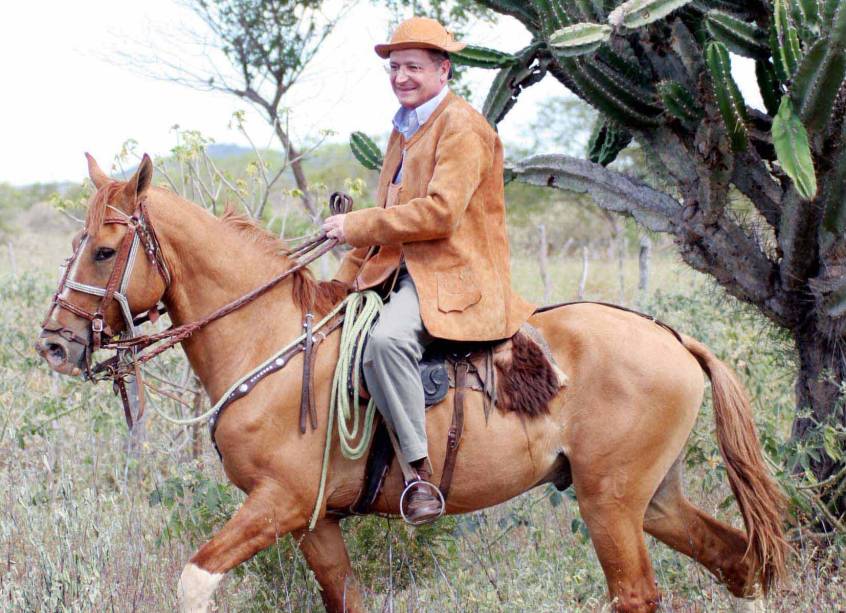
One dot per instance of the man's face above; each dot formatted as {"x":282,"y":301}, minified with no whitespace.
{"x":415,"y":77}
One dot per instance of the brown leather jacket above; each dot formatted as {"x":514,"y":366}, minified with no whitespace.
{"x":450,"y":223}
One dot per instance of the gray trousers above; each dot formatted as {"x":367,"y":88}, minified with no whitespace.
{"x":390,"y":360}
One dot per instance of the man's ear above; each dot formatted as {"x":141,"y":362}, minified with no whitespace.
{"x":98,"y":177}
{"x":140,"y":181}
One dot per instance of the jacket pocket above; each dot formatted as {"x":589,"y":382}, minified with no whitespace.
{"x":457,"y":289}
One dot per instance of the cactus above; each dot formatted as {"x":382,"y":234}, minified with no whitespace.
{"x":606,"y":141}
{"x":579,"y":38}
{"x":552,"y":16}
{"x":679,"y":102}
{"x":833,"y":226}
{"x":482,"y":57}
{"x":626,"y":67}
{"x":794,"y":153}
{"x":637,"y":13}
{"x":784,"y":42}
{"x":768,"y":85}
{"x":597,"y":94}
{"x":365,"y":151}
{"x":741,"y":37}
{"x":817,"y":81}
{"x":837,"y":33}
{"x":729,"y":99}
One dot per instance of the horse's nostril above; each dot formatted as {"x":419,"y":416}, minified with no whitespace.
{"x":57,"y":352}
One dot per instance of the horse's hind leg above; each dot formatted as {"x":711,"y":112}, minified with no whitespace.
{"x":254,"y":527}
{"x":326,"y":553}
{"x":672,"y":519}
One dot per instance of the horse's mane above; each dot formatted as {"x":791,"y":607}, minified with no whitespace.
{"x":309,"y":294}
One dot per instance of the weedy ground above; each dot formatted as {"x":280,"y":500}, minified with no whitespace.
{"x":91,"y":522}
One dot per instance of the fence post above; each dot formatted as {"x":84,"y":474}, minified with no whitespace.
{"x":643,"y":263}
{"x":583,"y":279}
{"x":543,"y":260}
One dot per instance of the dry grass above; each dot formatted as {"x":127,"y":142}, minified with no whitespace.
{"x":78,"y":531}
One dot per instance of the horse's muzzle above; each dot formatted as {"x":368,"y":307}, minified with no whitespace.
{"x":64,"y":356}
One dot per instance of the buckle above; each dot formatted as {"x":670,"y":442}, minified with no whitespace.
{"x":97,"y":325}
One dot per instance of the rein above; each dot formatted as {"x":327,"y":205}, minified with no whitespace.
{"x":128,"y":357}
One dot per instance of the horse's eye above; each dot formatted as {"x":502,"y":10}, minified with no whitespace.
{"x":103,"y":253}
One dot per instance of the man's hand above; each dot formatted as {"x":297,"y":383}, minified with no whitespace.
{"x":334,"y":228}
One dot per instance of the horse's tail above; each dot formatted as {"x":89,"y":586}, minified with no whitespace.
{"x":761,"y":502}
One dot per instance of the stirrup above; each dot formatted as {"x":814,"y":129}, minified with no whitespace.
{"x":418,"y":482}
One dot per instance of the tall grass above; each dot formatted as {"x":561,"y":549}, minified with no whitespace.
{"x":88,"y":524}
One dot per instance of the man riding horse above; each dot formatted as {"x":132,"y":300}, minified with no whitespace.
{"x":436,"y":243}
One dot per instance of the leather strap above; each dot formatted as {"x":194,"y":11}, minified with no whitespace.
{"x":306,"y":393}
{"x":456,"y":428}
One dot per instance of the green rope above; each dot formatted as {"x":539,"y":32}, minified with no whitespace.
{"x":361,"y":310}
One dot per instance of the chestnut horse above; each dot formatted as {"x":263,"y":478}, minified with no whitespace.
{"x":616,"y":432}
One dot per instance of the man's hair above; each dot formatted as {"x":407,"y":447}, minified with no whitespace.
{"x":436,"y":55}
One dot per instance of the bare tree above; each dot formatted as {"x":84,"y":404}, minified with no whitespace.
{"x":264,"y":45}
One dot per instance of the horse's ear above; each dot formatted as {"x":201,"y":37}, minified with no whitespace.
{"x":98,"y":177}
{"x":140,"y":181}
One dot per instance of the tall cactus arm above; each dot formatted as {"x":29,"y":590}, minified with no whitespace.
{"x":638,"y":13}
{"x":784,"y":42}
{"x":519,"y":9}
{"x":729,"y":99}
{"x":768,"y":85}
{"x":579,"y":38}
{"x":482,"y":57}
{"x":816,"y":83}
{"x":742,"y":37}
{"x":790,"y":140}
{"x":365,"y":151}
{"x":832,"y":233}
{"x":510,"y":81}
{"x":607,"y":141}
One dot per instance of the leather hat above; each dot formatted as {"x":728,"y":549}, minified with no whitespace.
{"x":420,"y":33}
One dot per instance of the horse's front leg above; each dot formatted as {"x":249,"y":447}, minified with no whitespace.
{"x":260,"y":521}
{"x":326,"y":553}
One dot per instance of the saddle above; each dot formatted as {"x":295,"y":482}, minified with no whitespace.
{"x":516,"y":374}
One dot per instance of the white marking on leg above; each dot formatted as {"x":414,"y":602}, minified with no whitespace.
{"x":744,"y":605}
{"x":196,"y":587}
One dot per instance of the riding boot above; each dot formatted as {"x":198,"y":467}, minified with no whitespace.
{"x":423,"y":506}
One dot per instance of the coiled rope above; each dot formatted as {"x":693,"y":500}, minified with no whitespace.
{"x":362,"y":310}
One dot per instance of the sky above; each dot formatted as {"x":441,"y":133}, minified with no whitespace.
{"x":71,"y":84}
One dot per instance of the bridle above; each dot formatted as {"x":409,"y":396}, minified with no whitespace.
{"x":139,"y":234}
{"x":130,"y":346}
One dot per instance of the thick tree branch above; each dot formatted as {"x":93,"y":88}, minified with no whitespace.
{"x":611,"y":190}
{"x":752,"y":177}
{"x":798,"y":240}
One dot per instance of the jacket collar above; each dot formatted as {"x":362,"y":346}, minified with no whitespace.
{"x":445,"y":102}
{"x":410,"y":120}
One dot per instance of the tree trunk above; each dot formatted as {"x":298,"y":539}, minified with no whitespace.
{"x":293,"y":157}
{"x":819,"y":390}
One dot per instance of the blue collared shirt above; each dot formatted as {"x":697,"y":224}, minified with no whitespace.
{"x":408,"y":121}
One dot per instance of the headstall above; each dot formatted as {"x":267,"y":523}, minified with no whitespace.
{"x":130,"y":344}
